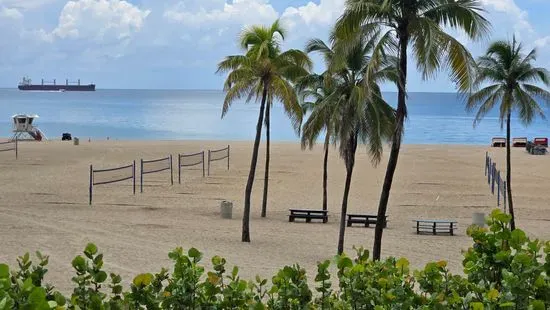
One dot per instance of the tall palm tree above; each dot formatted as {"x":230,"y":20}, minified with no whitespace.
{"x":355,"y":109}
{"x":315,"y":90}
{"x":266,"y":43}
{"x":510,"y":74}
{"x":419,"y":24}
{"x":264,"y":73}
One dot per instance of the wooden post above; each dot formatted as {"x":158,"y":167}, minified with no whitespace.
{"x":208,"y":163}
{"x":228,"y":157}
{"x":504,"y":196}
{"x":171,"y":172}
{"x":141,"y":178}
{"x":179,"y":168}
{"x":498,"y":189}
{"x":489,"y":172}
{"x":494,"y":170}
{"x":134,"y":175}
{"x":486,"y":162}
{"x":91,"y":183}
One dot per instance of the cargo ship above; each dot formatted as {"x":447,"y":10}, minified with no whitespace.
{"x":26,"y":84}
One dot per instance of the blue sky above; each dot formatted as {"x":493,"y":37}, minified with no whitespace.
{"x":175,"y":44}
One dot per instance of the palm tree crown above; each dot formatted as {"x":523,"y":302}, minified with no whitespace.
{"x":511,"y":77}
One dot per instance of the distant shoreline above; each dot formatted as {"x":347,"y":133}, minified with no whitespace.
{"x":218,"y":141}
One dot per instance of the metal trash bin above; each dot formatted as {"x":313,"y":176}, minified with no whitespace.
{"x":226,"y":209}
{"x":76,"y":141}
{"x":478,"y":219}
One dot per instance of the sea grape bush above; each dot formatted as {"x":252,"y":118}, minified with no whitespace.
{"x":503,"y":270}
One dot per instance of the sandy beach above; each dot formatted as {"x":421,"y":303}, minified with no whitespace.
{"x":44,"y":204}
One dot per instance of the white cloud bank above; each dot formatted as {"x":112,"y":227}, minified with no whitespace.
{"x":109,"y":36}
{"x":99,"y":19}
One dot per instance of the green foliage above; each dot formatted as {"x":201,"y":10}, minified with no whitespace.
{"x":503,"y":270}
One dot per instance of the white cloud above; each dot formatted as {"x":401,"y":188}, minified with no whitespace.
{"x":509,"y":7}
{"x":11,"y":13}
{"x":325,"y":13}
{"x":542,"y":42}
{"x":99,"y":20}
{"x":208,"y":12}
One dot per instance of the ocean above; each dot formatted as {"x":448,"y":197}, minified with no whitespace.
{"x":434,"y":118}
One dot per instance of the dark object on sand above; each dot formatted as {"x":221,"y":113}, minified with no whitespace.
{"x":66,"y":136}
{"x":535,"y":149}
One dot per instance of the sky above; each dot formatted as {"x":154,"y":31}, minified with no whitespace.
{"x":176,"y":44}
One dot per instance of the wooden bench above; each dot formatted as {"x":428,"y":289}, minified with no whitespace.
{"x":435,"y":226}
{"x":308,"y":215}
{"x":365,"y":219}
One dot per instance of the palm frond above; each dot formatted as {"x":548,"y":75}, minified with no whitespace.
{"x":232,"y":63}
{"x":237,"y":91}
{"x":461,"y":14}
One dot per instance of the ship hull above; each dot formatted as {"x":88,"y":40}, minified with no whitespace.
{"x":90,"y":87}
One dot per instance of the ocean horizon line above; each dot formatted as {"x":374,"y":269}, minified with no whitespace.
{"x":209,"y":89}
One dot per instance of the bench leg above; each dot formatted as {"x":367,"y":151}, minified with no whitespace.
{"x":325,"y":219}
{"x":452,"y":229}
{"x":291,"y":218}
{"x":349,"y":223}
{"x":434,"y":229}
{"x":367,"y":224}
{"x":417,"y":228}
{"x":308,"y":219}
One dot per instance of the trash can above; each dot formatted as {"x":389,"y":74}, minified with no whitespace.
{"x":478,"y":219}
{"x":76,"y":141}
{"x":227,"y":209}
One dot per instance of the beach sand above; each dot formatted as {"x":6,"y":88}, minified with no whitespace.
{"x":44,"y":204}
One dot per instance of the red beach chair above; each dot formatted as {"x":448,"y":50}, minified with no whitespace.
{"x":519,"y":142}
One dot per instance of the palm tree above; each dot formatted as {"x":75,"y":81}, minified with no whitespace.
{"x":315,"y":90}
{"x":510,"y":75}
{"x":418,"y":23}
{"x":354,"y":110}
{"x":262,"y":72}
{"x":266,"y":43}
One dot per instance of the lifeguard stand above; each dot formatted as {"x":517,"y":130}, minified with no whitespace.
{"x":24,"y":129}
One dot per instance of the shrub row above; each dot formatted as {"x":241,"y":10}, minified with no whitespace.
{"x":503,"y":270}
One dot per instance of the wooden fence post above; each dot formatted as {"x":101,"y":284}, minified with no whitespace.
{"x":91,"y":182}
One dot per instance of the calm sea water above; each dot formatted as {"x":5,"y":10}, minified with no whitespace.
{"x":434,"y":118}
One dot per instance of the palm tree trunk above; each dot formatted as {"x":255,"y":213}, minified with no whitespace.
{"x":248,"y":191}
{"x":396,"y":143}
{"x":350,"y":162}
{"x":509,"y":174}
{"x":266,"y":177}
{"x":325,"y":173}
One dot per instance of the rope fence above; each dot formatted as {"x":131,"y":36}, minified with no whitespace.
{"x":154,"y":166}
{"x":189,"y":160}
{"x":9,"y":146}
{"x":494,"y":180}
{"x":118,"y":174}
{"x":215,"y":155}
